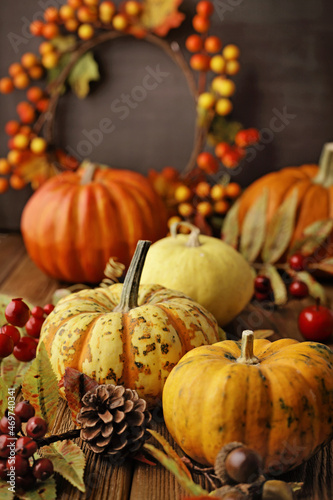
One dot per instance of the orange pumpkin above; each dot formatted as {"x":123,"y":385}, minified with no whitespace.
{"x":314,"y":188}
{"x":76,"y":221}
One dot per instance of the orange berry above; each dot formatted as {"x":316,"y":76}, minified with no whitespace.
{"x":226,"y":87}
{"x":86,"y":31}
{"x":20,"y":141}
{"x":51,"y":15}
{"x":217,"y":192}
{"x":205,"y":208}
{"x":21,"y":81}
{"x":91,"y":3}
{"x":15,"y":69}
{"x":205,"y":8}
{"x":213,"y":44}
{"x":194,"y":43}
{"x":34,"y":94}
{"x":36,"y":28}
{"x":66,"y":12}
{"x":75,"y":3}
{"x":6,"y":85}
{"x":232,"y":67}
{"x":200,"y":24}
{"x":26,"y":112}
{"x":231,"y":52}
{"x":4,"y":166}
{"x":87,"y":14}
{"x":232,"y":158}
{"x":50,"y":60}
{"x":50,"y":30}
{"x":185,"y":209}
{"x":4,"y":185}
{"x":170,"y":173}
{"x":217,"y":64}
{"x":38,"y":145}
{"x":173,"y":220}
{"x":106,"y":12}
{"x":183,"y":193}
{"x":132,"y":8}
{"x":46,"y":47}
{"x":25,"y":130}
{"x":233,"y":190}
{"x":120,"y":22}
{"x":14,"y":157}
{"x":206,"y":100}
{"x":207,"y":162}
{"x":28,"y":60}
{"x":12,"y":127}
{"x":36,"y":72}
{"x":16,"y":182}
{"x":223,"y":106}
{"x":203,"y":189}
{"x":221,"y":207}
{"x":72,"y":25}
{"x":200,"y":62}
{"x":221,"y":149}
{"x":42,"y":105}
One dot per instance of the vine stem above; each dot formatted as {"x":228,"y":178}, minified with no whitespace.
{"x":47,"y":118}
{"x":45,"y":441}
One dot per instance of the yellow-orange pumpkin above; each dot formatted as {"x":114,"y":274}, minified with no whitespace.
{"x":315,"y":192}
{"x":275,"y":397}
{"x":76,"y":221}
{"x":126,"y":334}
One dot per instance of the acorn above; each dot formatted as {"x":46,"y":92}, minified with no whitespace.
{"x":237,"y":463}
{"x":276,"y":490}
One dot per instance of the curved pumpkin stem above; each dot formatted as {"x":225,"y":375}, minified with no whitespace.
{"x":325,"y":174}
{"x":89,"y":172}
{"x":129,"y":295}
{"x":193,"y":239}
{"x":247,"y":357}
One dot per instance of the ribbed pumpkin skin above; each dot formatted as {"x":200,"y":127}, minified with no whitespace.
{"x":282,"y":407}
{"x":71,"y":230}
{"x":138,"y":348}
{"x":315,"y":202}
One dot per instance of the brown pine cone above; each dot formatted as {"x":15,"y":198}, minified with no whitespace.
{"x":114,"y":421}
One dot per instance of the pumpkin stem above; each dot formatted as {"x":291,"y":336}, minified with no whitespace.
{"x":247,"y":357}
{"x":325,"y":174}
{"x":89,"y":173}
{"x":129,"y":294}
{"x":193,"y":239}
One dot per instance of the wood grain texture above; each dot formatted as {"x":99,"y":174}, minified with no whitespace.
{"x":134,"y":480}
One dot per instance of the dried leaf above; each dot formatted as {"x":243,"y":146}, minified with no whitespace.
{"x":85,"y":71}
{"x":325,"y":265}
{"x":76,"y":384}
{"x":170,"y":452}
{"x":278,"y":285}
{"x":160,"y":16}
{"x":172,"y":466}
{"x":68,"y":460}
{"x":280,"y":229}
{"x":223,"y":130}
{"x":263,"y":334}
{"x":13,"y":371}
{"x":230,"y":228}
{"x":315,"y":288}
{"x":40,"y":387}
{"x":140,"y":457}
{"x":36,"y":170}
{"x":43,"y":491}
{"x":314,"y":236}
{"x":3,"y":396}
{"x":5,"y":493}
{"x":201,"y":222}
{"x":254,"y":228}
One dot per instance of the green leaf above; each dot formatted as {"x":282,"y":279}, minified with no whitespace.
{"x":315,"y":288}
{"x":280,"y":229}
{"x":68,"y":460}
{"x":85,"y":71}
{"x":278,"y":285}
{"x":13,"y":371}
{"x":40,"y":387}
{"x":230,"y":228}
{"x":5,"y":493}
{"x":254,"y":228}
{"x":222,"y":130}
{"x":171,"y":465}
{"x":43,"y":491}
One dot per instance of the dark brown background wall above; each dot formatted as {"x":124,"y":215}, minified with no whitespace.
{"x":287,"y":69}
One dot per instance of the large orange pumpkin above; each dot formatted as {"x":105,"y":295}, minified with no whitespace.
{"x":76,"y":221}
{"x":314,"y":188}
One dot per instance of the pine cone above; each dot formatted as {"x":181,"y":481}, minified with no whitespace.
{"x":114,"y":421}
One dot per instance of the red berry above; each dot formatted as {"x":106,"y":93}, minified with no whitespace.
{"x":194,"y":43}
{"x":33,"y":326}
{"x":3,"y":469}
{"x":10,"y":424}
{"x":207,"y":162}
{"x":316,"y":323}
{"x":21,"y":465}
{"x":6,"y":346}
{"x":297,"y":262}
{"x":262,"y":296}
{"x":17,"y":312}
{"x":298,"y":289}
{"x":38,"y":312}
{"x":262,"y":284}
{"x":24,"y":410}
{"x":48,"y":308}
{"x":12,"y":332}
{"x":25,"y":350}
{"x":26,"y":447}
{"x":36,"y":427}
{"x":25,"y":483}
{"x":43,"y":469}
{"x":247,"y":137}
{"x":205,"y":8}
{"x":231,"y":158}
{"x":5,"y":441}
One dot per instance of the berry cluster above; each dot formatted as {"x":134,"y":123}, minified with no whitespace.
{"x":17,"y":451}
{"x":18,"y":315}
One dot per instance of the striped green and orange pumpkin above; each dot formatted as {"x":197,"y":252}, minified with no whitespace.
{"x":275,"y":397}
{"x":127,"y":334}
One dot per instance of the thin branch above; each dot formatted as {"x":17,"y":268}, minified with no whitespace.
{"x":72,"y":434}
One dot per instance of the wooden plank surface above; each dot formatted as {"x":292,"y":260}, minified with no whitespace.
{"x":134,"y":480}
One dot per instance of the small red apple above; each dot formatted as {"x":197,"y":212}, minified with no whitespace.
{"x":316,"y":322}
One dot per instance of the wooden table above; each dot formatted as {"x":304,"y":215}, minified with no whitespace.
{"x":135,"y":480}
